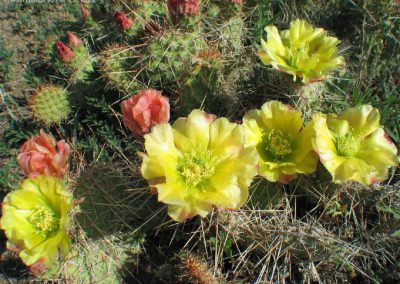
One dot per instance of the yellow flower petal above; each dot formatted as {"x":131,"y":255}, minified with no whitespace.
{"x":301,"y":51}
{"x":196,"y":128}
{"x":378,"y":150}
{"x":283,"y":147}
{"x":276,"y":115}
{"x":36,"y":225}
{"x":160,"y":145}
{"x":151,"y":168}
{"x":252,"y":131}
{"x":172,"y":193}
{"x":265,"y":59}
{"x":209,"y":165}
{"x":225,"y":137}
{"x":352,"y":146}
{"x":363,"y":119}
{"x":353,"y":169}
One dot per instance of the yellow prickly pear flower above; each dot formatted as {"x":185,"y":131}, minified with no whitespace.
{"x":283,"y":145}
{"x":34,"y":220}
{"x":353,"y":146}
{"x":301,"y":51}
{"x":197,"y":163}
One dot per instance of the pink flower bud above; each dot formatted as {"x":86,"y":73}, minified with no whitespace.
{"x":40,"y":156}
{"x":144,"y":110}
{"x":122,"y":20}
{"x":64,"y":52}
{"x":73,"y":40}
{"x":183,"y":7}
{"x":85,"y":12}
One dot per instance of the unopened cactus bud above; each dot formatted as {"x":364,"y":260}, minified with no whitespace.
{"x":183,"y":7}
{"x":122,"y":20}
{"x":65,"y":54}
{"x":73,"y":40}
{"x":85,"y":12}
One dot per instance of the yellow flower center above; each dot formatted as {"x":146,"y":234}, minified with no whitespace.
{"x":44,"y":220}
{"x":297,"y":53}
{"x":196,"y":167}
{"x":278,"y":144}
{"x":348,"y":145}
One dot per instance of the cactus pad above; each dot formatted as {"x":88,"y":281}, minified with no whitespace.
{"x":50,"y":104}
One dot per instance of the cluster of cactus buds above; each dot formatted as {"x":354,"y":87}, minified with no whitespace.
{"x":65,"y":53}
{"x":72,"y":59}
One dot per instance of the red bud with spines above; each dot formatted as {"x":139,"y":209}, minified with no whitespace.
{"x":85,"y":12}
{"x":73,"y":40}
{"x":122,"y":20}
{"x":183,"y":7}
{"x":64,"y":52}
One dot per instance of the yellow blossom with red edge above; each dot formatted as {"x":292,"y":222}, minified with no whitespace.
{"x":353,"y":146}
{"x":35,"y":219}
{"x":198,"y":163}
{"x":283,"y":144}
{"x":302,"y":51}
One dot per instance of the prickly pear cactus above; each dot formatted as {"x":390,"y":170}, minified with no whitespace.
{"x":232,"y":33}
{"x":151,"y":9}
{"x":200,"y":87}
{"x":80,"y":66}
{"x":171,"y":54}
{"x":106,"y":242}
{"x":146,"y":15}
{"x":308,"y":97}
{"x":100,"y":261}
{"x":71,"y":59}
{"x":50,"y":104}
{"x":115,"y":68}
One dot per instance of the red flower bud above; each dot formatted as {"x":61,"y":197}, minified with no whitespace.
{"x":42,"y":155}
{"x":183,"y":7}
{"x":73,"y":40}
{"x":64,"y":52}
{"x":85,"y":12}
{"x":144,"y":110}
{"x":122,"y":20}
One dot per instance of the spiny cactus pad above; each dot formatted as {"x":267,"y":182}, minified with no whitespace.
{"x":171,"y":54}
{"x":115,"y":68}
{"x":100,"y":261}
{"x":81,"y":64}
{"x":50,"y":104}
{"x":232,"y":33}
{"x":145,"y":13}
{"x":200,"y":88}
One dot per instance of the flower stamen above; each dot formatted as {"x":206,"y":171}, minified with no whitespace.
{"x":278,"y":144}
{"x":347,"y":145}
{"x":195,"y":168}
{"x":44,"y":220}
{"x":297,"y":53}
